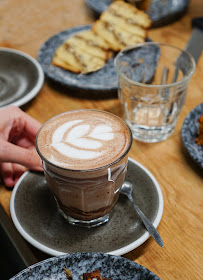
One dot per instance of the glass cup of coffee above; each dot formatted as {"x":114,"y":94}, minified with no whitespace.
{"x":85,"y":154}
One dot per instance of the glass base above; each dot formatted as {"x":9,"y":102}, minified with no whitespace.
{"x":88,"y":224}
{"x":151,"y":134}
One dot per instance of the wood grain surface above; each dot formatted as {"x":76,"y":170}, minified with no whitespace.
{"x":25,"y":25}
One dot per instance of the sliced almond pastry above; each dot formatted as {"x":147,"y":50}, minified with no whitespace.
{"x":66,"y":60}
{"x":77,"y":42}
{"x":131,"y":13}
{"x":61,"y":63}
{"x":120,"y":22}
{"x":93,"y":39}
{"x":78,"y":58}
{"x":107,"y":32}
{"x":129,"y":39}
{"x":116,"y":36}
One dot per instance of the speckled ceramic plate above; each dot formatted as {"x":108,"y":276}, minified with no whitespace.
{"x":34,"y":213}
{"x":161,"y":11}
{"x":21,"y":77}
{"x":101,"y":83}
{"x":189,"y":133}
{"x":113,"y":267}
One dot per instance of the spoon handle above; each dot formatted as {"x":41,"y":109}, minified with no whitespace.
{"x":149,"y":226}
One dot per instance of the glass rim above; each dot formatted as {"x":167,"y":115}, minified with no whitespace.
{"x":186,"y":78}
{"x":84,"y":170}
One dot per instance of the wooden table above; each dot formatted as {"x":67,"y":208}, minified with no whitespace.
{"x":25,"y":25}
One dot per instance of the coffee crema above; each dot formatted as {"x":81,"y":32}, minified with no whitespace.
{"x":83,"y":139}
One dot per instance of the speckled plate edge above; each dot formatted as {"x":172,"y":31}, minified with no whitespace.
{"x":161,"y":19}
{"x":35,"y":90}
{"x":117,"y":252}
{"x":78,"y":263}
{"x":189,"y":133}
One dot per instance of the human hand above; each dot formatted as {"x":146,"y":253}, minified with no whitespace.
{"x":17,"y":144}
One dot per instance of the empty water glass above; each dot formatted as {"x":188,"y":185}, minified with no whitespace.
{"x":153,"y":80}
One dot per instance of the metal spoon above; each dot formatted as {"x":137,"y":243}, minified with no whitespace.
{"x":126,"y":189}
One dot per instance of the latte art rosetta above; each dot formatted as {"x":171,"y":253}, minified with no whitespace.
{"x":83,"y":139}
{"x":76,"y":140}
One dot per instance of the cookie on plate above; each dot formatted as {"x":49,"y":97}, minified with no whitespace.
{"x":83,"y":52}
{"x":122,"y":25}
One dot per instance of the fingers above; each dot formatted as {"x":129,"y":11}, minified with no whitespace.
{"x":19,"y":128}
{"x":6,"y":171}
{"x":18,"y":170}
{"x":24,"y":141}
{"x":15,"y":122}
{"x":10,"y":173}
{"x":31,"y":125}
{"x":15,"y":154}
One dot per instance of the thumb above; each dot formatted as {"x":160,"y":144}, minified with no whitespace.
{"x":15,"y":154}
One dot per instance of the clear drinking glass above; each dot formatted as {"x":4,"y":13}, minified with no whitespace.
{"x":153,"y":81}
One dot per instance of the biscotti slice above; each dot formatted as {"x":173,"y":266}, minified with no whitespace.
{"x":77,"y":58}
{"x":88,"y":62}
{"x":66,"y":60}
{"x":93,"y":39}
{"x":93,"y":50}
{"x":128,"y":38}
{"x":130,"y":13}
{"x":122,"y":25}
{"x":57,"y":61}
{"x":116,"y":36}
{"x":108,"y":33}
{"x":120,"y":22}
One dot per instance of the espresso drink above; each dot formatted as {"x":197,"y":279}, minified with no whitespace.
{"x":84,"y":154}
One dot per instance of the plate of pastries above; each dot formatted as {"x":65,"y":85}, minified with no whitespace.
{"x":82,"y":57}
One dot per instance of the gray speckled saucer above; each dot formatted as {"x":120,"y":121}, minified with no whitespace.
{"x":189,"y":133}
{"x":114,"y":267}
{"x":21,"y":77}
{"x":34,"y":213}
{"x":161,"y":12}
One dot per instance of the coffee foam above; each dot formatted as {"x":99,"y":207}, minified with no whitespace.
{"x":83,"y":139}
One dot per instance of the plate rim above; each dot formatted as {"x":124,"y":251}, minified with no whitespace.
{"x":184,"y":128}
{"x":117,"y":252}
{"x":157,"y":22}
{"x":57,"y":259}
{"x":40,"y":81}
